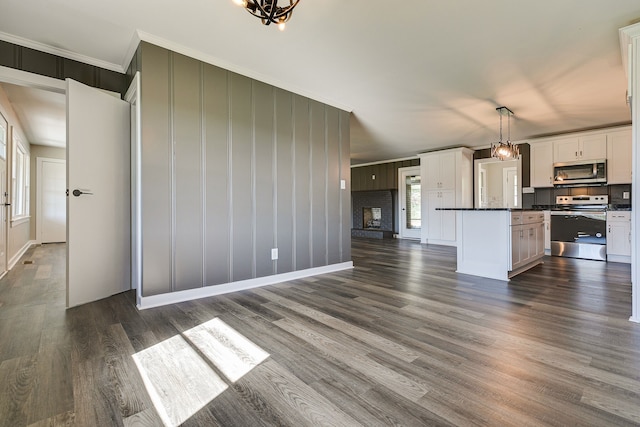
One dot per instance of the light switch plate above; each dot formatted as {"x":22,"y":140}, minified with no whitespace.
{"x":274,"y":254}
{"x":625,"y":195}
{"x":343,"y":184}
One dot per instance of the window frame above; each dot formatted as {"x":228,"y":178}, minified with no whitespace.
{"x":20,"y":181}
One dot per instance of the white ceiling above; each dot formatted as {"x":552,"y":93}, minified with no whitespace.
{"x":417,"y":75}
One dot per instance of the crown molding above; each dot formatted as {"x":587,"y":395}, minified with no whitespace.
{"x":209,"y":59}
{"x":20,"y":41}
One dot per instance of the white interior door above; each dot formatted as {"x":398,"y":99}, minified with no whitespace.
{"x":410,"y":202}
{"x":510,"y":187}
{"x":98,"y":215}
{"x":52,"y":203}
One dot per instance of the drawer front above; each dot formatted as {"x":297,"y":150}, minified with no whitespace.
{"x":516,"y":218}
{"x":618,"y":216}
{"x":532,"y":217}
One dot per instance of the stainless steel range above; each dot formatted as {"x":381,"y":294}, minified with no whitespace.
{"x":579,"y":227}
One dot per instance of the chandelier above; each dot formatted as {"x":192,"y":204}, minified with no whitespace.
{"x":268,"y":10}
{"x":504,"y":150}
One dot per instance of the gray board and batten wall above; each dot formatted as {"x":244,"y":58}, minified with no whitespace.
{"x":231,"y":168}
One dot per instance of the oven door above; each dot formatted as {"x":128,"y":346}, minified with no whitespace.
{"x":579,"y":234}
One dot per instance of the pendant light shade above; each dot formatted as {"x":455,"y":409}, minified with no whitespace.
{"x":270,"y":11}
{"x":504,"y":150}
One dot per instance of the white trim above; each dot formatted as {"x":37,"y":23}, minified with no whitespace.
{"x":133,"y":97}
{"x":36,"y":81}
{"x":14,"y":259}
{"x":19,"y":220}
{"x":207,"y":291}
{"x":402,"y":196}
{"x":60,"y":52}
{"x":209,"y":59}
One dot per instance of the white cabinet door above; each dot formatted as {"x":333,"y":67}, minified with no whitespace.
{"x":619,"y":157}
{"x":540,"y":239}
{"x":547,"y":231}
{"x":593,"y":147}
{"x":516,"y":246}
{"x":447,"y":163}
{"x":566,"y":150}
{"x":542,"y":164}
{"x":434,"y":221}
{"x":431,"y":172}
{"x":590,"y":147}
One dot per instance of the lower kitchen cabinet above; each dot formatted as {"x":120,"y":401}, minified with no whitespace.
{"x":441,"y":224}
{"x":527,"y":238}
{"x":619,"y":236}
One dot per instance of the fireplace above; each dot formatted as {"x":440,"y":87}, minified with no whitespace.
{"x":373,"y":214}
{"x":371,"y":218}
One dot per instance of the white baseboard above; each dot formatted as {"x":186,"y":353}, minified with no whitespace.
{"x":208,"y":291}
{"x":14,"y":259}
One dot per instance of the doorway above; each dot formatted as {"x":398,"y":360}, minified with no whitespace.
{"x":51,"y":209}
{"x":409,"y":185}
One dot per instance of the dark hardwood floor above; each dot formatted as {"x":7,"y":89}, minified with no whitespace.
{"x":400,"y":340}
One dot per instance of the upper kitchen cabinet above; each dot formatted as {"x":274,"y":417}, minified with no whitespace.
{"x":587,"y":147}
{"x":619,"y":157}
{"x":439,"y":171}
{"x":542,"y":164}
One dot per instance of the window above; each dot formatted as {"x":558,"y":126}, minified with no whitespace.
{"x":19,"y":181}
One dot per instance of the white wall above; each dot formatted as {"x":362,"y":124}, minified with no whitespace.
{"x":19,"y":232}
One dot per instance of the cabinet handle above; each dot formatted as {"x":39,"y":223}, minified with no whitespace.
{"x":576,"y":154}
{"x":580,"y":153}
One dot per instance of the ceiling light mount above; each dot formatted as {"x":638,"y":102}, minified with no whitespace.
{"x":269,"y":11}
{"x":504,"y":150}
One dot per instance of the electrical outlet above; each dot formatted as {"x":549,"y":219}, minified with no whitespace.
{"x":274,"y":254}
{"x":625,"y":195}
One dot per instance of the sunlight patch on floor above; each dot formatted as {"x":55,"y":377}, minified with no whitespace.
{"x":233,"y":354}
{"x":180,"y":381}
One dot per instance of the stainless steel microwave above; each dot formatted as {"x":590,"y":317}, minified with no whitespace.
{"x":580,"y":172}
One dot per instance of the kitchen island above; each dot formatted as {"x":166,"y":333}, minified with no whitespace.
{"x":498,"y":243}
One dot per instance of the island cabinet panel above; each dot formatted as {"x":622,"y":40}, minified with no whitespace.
{"x":512,"y":244}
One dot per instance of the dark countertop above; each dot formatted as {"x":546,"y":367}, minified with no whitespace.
{"x":488,"y":209}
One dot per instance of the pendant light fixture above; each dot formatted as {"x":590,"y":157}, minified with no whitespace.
{"x":505,"y":150}
{"x":269,"y":11}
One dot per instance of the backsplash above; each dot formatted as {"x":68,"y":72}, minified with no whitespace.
{"x":547,"y":196}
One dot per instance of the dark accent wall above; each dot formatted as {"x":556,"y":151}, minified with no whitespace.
{"x":46,"y":64}
{"x":386,"y":175}
{"x":231,"y":168}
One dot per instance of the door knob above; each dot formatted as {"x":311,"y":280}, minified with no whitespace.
{"x":78,"y":193}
